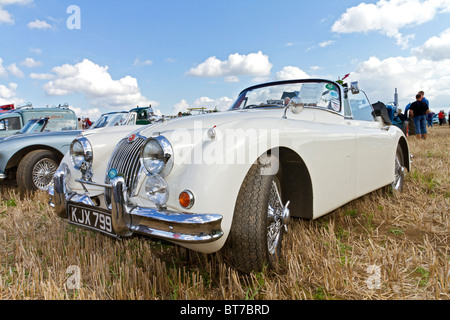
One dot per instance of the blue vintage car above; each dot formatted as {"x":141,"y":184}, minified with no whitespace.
{"x":32,"y":159}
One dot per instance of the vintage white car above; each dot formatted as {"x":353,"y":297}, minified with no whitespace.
{"x":299,"y":148}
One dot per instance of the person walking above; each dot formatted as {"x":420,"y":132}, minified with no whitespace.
{"x":419,"y":110}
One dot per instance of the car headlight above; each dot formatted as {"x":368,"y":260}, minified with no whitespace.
{"x":157,"y":156}
{"x":81,"y":153}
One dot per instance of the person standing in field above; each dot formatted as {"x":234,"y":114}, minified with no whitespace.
{"x":441,"y":118}
{"x":430,"y":116}
{"x":419,"y":110}
{"x":424,"y":99}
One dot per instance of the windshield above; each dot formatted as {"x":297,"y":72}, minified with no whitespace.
{"x":110,"y":120}
{"x":47,"y":125}
{"x":33,"y":126}
{"x":312,"y":93}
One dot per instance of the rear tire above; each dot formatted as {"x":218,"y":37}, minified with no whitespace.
{"x":36,"y":170}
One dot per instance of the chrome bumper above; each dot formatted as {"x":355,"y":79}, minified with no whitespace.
{"x":160,"y":223}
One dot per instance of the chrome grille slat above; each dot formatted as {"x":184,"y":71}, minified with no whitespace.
{"x":134,"y":169}
{"x":126,"y":160}
{"x":124,"y":163}
{"x":133,"y":158}
{"x":121,"y":161}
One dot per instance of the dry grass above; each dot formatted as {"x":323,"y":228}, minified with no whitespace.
{"x":407,"y":237}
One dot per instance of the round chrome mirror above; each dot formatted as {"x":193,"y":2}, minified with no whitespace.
{"x":296,"y":105}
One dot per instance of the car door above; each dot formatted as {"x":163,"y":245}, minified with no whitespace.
{"x":328,"y":147}
{"x":373,"y":144}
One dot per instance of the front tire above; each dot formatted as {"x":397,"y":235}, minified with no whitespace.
{"x":258,"y":223}
{"x":36,"y":170}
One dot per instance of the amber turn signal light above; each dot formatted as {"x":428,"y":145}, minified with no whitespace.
{"x":186,"y":199}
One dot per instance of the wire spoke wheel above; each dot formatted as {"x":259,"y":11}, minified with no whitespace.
{"x":397,"y":185}
{"x":43,"y":173}
{"x":276,"y":221}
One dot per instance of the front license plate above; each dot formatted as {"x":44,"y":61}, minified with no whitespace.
{"x":96,"y":219}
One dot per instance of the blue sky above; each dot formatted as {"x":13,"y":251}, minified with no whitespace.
{"x":180,"y":54}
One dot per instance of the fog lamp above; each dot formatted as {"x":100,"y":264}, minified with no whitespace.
{"x":157,"y":190}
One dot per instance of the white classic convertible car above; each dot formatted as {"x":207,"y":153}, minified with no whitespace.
{"x":299,"y":148}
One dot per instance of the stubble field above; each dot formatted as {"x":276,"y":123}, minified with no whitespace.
{"x":377,"y":247}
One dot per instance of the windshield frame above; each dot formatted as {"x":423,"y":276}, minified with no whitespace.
{"x":242,"y":96}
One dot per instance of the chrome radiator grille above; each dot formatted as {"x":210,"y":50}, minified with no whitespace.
{"x":125,"y":159}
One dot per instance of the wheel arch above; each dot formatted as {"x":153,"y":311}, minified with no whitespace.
{"x":405,"y":150}
{"x":18,"y":156}
{"x":296,"y":184}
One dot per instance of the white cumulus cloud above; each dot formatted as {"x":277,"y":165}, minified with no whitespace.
{"x":5,"y":16}
{"x":96,"y":84}
{"x":8,"y":94}
{"x":93,"y":114}
{"x":389,"y":17}
{"x":15,"y":71}
{"x":12,"y":69}
{"x":253,"y":64}
{"x":31,"y":63}
{"x":39,"y":24}
{"x":379,"y":78}
{"x":435,"y":48}
{"x":139,"y":63}
{"x":291,"y":73}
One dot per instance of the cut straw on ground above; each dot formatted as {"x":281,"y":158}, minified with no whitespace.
{"x":379,"y":247}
